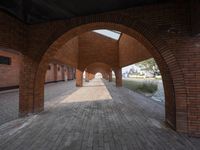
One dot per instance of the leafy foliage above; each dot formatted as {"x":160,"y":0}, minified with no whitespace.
{"x":150,"y":66}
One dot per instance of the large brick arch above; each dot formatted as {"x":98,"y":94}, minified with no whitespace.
{"x":176,"y":113}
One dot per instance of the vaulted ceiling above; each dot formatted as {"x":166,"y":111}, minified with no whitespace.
{"x":36,"y":11}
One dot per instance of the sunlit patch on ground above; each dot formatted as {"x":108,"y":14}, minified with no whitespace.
{"x":97,"y":91}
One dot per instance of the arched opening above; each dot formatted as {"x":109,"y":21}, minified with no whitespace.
{"x":149,"y":39}
{"x":57,"y":81}
{"x":98,"y":75}
{"x":92,"y":69}
{"x":144,"y":77}
{"x":11,"y":62}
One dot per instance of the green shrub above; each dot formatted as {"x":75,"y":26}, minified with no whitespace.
{"x":141,"y":86}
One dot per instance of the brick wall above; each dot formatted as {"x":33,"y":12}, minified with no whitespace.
{"x":188,"y":54}
{"x":90,"y":43}
{"x":68,"y":49}
{"x":70,"y":73}
{"x":131,"y":51}
{"x":50,"y":74}
{"x":9,"y":74}
{"x":59,"y":73}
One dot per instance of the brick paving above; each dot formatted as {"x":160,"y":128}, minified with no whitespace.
{"x":9,"y":100}
{"x":9,"y":103}
{"x":98,"y":116}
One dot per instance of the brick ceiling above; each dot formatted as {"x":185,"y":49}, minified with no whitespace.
{"x":36,"y":11}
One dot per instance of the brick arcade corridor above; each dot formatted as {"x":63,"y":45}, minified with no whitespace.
{"x":95,"y":116}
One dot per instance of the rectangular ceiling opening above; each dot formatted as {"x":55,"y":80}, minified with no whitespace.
{"x":109,"y":33}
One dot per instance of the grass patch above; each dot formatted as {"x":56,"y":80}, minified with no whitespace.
{"x":138,"y":86}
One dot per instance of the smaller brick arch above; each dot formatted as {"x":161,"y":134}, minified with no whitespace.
{"x":98,"y":67}
{"x":103,"y":74}
{"x":103,"y":68}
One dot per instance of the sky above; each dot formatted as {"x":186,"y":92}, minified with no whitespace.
{"x":108,"y":33}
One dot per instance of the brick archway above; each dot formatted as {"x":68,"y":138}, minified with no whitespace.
{"x":174,"y":86}
{"x":103,"y":68}
{"x":97,"y":67}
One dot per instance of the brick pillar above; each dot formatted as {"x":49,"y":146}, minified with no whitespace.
{"x":73,"y":73}
{"x":26,"y":86}
{"x":55,"y":70}
{"x":63,"y":72}
{"x":105,"y":76}
{"x":110,"y":76}
{"x":70,"y":73}
{"x":118,"y":74}
{"x":79,"y":78}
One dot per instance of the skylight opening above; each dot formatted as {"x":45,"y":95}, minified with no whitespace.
{"x":109,"y":33}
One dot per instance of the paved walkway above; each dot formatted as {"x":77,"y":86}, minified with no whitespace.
{"x":94,"y":117}
{"x":9,"y":100}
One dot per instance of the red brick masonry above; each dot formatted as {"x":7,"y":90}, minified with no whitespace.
{"x":9,"y":74}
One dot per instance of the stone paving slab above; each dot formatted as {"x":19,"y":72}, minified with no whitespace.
{"x":98,"y":116}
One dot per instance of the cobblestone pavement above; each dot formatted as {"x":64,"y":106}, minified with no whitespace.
{"x":94,"y":117}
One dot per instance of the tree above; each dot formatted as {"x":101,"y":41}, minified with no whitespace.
{"x":150,"y":66}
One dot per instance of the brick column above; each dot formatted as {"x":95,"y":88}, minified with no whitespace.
{"x":70,"y":73}
{"x":55,"y":70}
{"x":26,"y":86}
{"x":73,"y":73}
{"x":110,"y":76}
{"x":105,"y":76}
{"x":79,"y":78}
{"x":118,"y":74}
{"x":63,"y":72}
